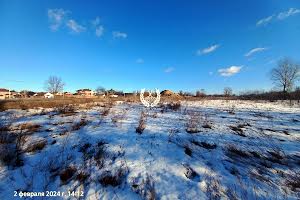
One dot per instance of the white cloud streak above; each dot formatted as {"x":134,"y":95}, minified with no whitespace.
{"x":208,"y":50}
{"x":264,"y":21}
{"x":230,"y":71}
{"x":255,"y":50}
{"x":118,"y":34}
{"x":280,"y":16}
{"x":286,"y":14}
{"x":56,"y":18}
{"x":75,"y":27}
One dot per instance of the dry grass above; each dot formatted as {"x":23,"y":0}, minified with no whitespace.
{"x":82,"y":176}
{"x":77,"y":126}
{"x":292,"y":180}
{"x":36,"y":146}
{"x":66,"y":110}
{"x":192,"y":125}
{"x":29,"y":128}
{"x":113,"y":179}
{"x":44,"y":103}
{"x":142,"y":123}
{"x":146,"y":188}
{"x":67,"y":174}
{"x":190,"y":172}
{"x":233,"y":152}
{"x":8,"y":154}
{"x":205,"y":144}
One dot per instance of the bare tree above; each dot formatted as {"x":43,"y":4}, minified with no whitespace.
{"x":200,"y":93}
{"x":285,"y":74}
{"x":227,"y":91}
{"x":54,"y":84}
{"x":100,"y":90}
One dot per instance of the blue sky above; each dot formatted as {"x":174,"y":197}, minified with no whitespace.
{"x":134,"y":44}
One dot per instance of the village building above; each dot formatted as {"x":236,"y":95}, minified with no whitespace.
{"x":48,"y":95}
{"x":85,"y":93}
{"x":7,"y":94}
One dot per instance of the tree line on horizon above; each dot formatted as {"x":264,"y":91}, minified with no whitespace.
{"x":284,"y":77}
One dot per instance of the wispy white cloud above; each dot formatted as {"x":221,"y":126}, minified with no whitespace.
{"x":99,"y":31}
{"x":96,"y":21}
{"x":139,"y":61}
{"x":264,"y":21}
{"x":169,"y":69}
{"x":75,"y":27}
{"x":230,"y":71}
{"x":255,"y":50}
{"x":280,"y":16}
{"x":118,"y":34}
{"x":208,"y":49}
{"x":288,"y":13}
{"x":56,"y":18}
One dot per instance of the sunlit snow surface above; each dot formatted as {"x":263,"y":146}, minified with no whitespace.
{"x":160,"y":152}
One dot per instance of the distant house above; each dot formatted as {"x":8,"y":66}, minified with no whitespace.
{"x":39,"y":95}
{"x":85,"y":93}
{"x":68,"y":94}
{"x":59,"y":94}
{"x":26,"y":94}
{"x":48,"y":95}
{"x":7,"y":94}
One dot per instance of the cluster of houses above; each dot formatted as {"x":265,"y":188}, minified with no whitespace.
{"x":86,"y":93}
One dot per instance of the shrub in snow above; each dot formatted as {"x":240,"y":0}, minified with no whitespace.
{"x":113,"y":179}
{"x":67,"y":174}
{"x":142,"y":123}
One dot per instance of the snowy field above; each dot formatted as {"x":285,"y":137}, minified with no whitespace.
{"x":197,"y":150}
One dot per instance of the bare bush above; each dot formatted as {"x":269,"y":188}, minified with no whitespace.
{"x":100,"y":154}
{"x":142,"y":123}
{"x":114,"y":179}
{"x":82,"y":176}
{"x":213,"y":189}
{"x":205,"y":144}
{"x":79,"y":124}
{"x":193,"y":123}
{"x":36,"y":145}
{"x":8,"y":154}
{"x":29,"y":128}
{"x":67,"y":174}
{"x":234,"y":153}
{"x":145,"y":188}
{"x":292,"y":180}
{"x":190,"y":173}
{"x":66,"y":110}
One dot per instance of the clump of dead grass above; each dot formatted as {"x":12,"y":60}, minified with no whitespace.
{"x":114,"y":179}
{"x":142,"y":123}
{"x":79,"y":125}
{"x":193,"y":123}
{"x":67,"y":174}
{"x":145,"y":188}
{"x":205,"y":145}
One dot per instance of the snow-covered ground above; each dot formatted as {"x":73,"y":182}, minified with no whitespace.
{"x":203,"y":150}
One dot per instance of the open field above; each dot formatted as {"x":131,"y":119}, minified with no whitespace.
{"x":210,"y":149}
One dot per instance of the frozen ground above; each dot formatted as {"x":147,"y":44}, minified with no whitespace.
{"x":200,"y":150}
